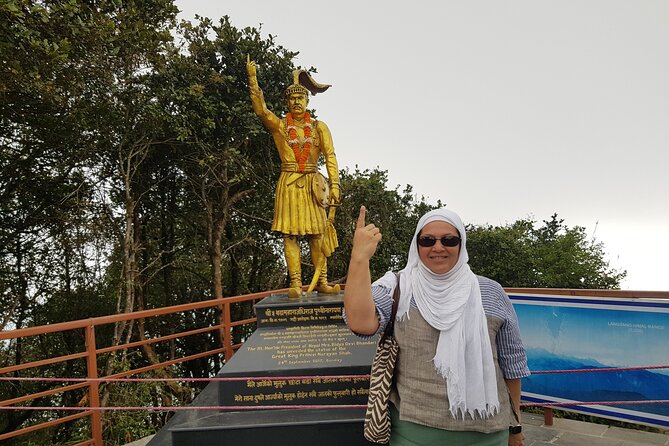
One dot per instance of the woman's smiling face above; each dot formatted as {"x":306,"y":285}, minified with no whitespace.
{"x":438,"y":258}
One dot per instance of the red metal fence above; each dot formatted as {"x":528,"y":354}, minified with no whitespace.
{"x":92,"y":353}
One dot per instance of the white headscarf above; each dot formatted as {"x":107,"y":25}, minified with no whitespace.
{"x":451,"y":303}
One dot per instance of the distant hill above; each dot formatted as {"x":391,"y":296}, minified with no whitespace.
{"x":629,"y":385}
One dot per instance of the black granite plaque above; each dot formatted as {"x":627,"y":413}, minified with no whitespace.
{"x":288,"y":348}
{"x":299,"y":366}
{"x":299,"y":363}
{"x":279,"y":310}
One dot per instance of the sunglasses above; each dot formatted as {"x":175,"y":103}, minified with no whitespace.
{"x":447,"y":240}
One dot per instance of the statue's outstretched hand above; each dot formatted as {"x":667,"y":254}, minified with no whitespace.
{"x":365,"y":239}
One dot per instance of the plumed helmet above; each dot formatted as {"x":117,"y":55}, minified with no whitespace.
{"x":303,"y":83}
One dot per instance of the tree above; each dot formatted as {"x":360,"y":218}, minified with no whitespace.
{"x":69,"y":71}
{"x":552,"y":255}
{"x":42,"y":144}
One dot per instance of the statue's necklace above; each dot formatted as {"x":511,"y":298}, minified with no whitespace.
{"x":301,"y":150}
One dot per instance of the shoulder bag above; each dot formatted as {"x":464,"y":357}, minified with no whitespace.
{"x":377,"y":418}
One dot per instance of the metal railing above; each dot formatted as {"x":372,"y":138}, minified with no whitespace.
{"x":91,"y":354}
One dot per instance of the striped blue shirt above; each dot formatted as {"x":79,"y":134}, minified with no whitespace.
{"x":511,"y":353}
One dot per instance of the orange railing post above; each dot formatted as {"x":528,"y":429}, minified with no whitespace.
{"x":227,"y":326}
{"x":93,"y":386}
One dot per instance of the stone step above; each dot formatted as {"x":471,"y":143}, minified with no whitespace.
{"x":280,"y":427}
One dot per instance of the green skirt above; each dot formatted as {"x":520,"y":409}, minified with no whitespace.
{"x":406,"y":433}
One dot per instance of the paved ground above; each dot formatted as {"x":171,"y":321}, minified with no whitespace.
{"x":578,"y":433}
{"x":567,"y":433}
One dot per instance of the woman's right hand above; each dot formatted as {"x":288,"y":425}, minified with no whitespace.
{"x":365,"y":239}
{"x":358,"y":301}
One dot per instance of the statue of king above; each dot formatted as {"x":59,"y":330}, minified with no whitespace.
{"x":302,"y":192}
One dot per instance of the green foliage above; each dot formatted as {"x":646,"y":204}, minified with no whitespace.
{"x":121,"y":427}
{"x":552,"y":255}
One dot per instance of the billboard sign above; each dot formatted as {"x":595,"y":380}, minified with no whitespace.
{"x":576,"y":332}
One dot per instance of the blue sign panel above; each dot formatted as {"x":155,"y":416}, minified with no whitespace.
{"x":575,"y":333}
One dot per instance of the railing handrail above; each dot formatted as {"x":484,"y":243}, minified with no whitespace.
{"x":113,"y":318}
{"x":109,"y":319}
{"x":592,"y":292}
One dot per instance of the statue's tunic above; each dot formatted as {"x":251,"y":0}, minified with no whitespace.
{"x":298,"y":205}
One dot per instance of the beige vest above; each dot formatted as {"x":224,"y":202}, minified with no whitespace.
{"x":420,"y":393}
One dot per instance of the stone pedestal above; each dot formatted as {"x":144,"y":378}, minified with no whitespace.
{"x":301,"y":355}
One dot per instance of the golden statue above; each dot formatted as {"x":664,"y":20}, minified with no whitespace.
{"x":302,"y":193}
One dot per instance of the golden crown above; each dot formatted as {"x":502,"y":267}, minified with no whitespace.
{"x":303,"y":83}
{"x":296,"y":89}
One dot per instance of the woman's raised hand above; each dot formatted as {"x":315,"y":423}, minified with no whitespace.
{"x":365,"y":239}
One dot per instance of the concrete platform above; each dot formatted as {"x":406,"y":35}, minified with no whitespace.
{"x":579,"y":433}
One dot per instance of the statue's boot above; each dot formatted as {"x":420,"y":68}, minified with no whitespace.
{"x":317,"y":256}
{"x":292,"y":254}
{"x":322,"y":284}
{"x":295,"y":289}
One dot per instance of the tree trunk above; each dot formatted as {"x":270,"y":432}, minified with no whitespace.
{"x":129,"y":164}
{"x":215,"y":257}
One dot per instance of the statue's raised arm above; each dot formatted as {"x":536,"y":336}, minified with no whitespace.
{"x":258,"y":100}
{"x":301,"y":192}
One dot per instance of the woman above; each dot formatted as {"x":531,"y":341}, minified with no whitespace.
{"x":461,"y":359}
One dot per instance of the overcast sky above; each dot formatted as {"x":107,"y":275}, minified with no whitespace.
{"x":501,"y":109}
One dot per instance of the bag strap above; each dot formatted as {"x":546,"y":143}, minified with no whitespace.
{"x":390,"y":327}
